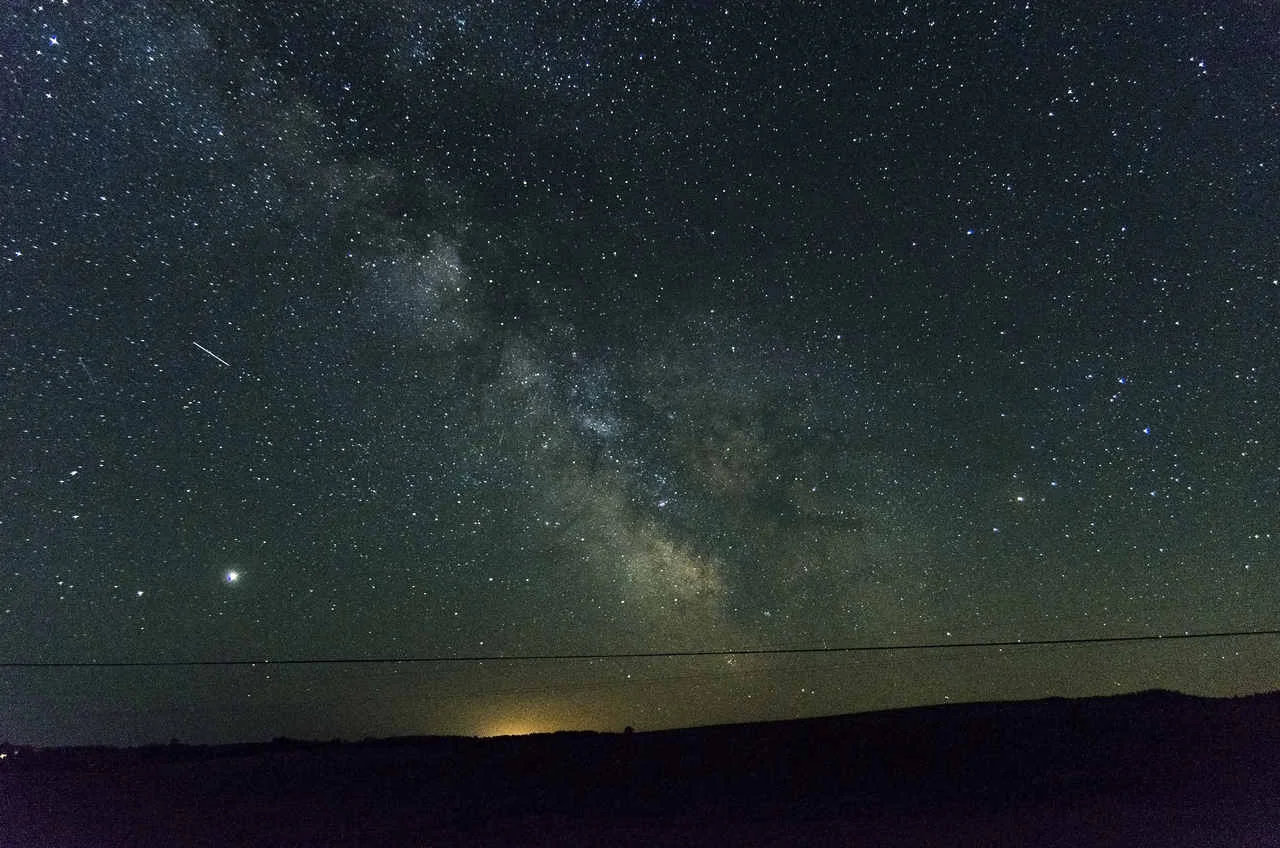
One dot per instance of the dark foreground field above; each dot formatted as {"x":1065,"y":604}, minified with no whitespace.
{"x":1151,"y":769}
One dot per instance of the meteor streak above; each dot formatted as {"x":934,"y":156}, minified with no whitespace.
{"x":211,"y":353}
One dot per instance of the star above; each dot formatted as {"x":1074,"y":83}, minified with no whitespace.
{"x":232,"y":576}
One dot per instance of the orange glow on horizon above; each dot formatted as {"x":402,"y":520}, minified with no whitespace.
{"x":521,"y":726}
{"x":524,"y":719}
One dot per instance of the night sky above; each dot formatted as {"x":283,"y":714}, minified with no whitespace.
{"x":445,"y":329}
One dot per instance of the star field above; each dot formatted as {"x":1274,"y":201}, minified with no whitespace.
{"x":467,"y":329}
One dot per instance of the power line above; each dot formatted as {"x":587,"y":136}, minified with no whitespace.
{"x":648,"y":655}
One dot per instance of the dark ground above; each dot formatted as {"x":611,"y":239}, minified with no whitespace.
{"x":1150,"y":769}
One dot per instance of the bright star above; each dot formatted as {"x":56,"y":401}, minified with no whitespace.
{"x":53,"y":41}
{"x":232,"y":576}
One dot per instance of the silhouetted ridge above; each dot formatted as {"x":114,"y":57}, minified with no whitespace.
{"x":1157,"y":749}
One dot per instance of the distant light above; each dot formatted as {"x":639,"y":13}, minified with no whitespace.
{"x":516,"y":727}
{"x":232,"y":576}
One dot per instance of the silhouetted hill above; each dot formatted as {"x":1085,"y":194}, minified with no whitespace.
{"x":1154,"y":768}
